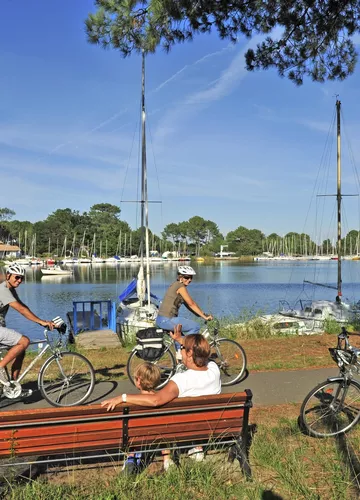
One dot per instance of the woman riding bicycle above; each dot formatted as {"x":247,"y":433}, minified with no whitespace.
{"x":175,"y":296}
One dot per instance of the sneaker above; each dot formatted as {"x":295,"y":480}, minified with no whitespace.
{"x":168,"y":463}
{"x":4,"y":377}
{"x":197,"y":454}
{"x":180,"y":368}
{"x":139,"y":462}
{"x":129,"y":468}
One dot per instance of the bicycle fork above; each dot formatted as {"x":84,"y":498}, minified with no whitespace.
{"x":336,"y":405}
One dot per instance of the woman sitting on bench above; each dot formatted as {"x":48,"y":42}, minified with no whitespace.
{"x":202,"y":377}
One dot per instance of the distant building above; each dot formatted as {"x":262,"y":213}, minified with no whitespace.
{"x":9,"y":250}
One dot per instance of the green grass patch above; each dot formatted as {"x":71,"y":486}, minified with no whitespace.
{"x":285,"y":464}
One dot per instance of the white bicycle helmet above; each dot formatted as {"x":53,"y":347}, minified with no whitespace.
{"x":16,"y":269}
{"x":186,"y":271}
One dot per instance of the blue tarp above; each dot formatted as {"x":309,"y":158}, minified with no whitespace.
{"x":131,"y":289}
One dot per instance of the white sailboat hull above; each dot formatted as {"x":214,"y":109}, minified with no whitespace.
{"x":56,"y":272}
{"x":132,"y":317}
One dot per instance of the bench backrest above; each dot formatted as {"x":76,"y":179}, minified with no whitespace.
{"x":86,"y":428}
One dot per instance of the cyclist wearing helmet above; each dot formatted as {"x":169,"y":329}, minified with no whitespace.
{"x":175,"y":296}
{"x":16,"y":342}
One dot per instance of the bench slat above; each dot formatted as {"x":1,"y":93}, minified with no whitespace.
{"x":58,"y":414}
{"x":89,"y":428}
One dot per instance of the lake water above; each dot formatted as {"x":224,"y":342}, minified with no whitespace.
{"x":224,"y":289}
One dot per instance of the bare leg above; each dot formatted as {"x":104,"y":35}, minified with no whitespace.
{"x":16,"y":353}
{"x":16,"y":366}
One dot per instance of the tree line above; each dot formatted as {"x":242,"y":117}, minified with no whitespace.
{"x":101,"y":231}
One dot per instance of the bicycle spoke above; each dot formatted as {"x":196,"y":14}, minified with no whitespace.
{"x":166,"y":365}
{"x":332,"y":408}
{"x":67,"y":380}
{"x":230,"y":358}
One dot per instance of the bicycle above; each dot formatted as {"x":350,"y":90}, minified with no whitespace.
{"x":65,"y":379}
{"x":228,"y":355}
{"x":333,"y":407}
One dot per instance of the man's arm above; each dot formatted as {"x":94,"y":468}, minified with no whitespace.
{"x":25,"y":311}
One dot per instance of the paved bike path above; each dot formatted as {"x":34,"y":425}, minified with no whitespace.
{"x":269,"y":388}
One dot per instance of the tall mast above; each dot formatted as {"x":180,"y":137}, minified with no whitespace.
{"x":338,"y":196}
{"x":144,"y":191}
{"x":143,"y":160}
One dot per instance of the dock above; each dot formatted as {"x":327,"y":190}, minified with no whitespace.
{"x":96,"y":339}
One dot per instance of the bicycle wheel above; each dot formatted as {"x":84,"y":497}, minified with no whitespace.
{"x":166,"y":363}
{"x":331,"y":408}
{"x":230,"y":358}
{"x":66,"y":379}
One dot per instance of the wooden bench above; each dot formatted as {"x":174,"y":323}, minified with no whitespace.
{"x":220,"y":421}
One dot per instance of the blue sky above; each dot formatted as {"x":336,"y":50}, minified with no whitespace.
{"x":234,"y":147}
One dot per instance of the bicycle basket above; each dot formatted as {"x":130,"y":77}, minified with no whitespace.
{"x":150,"y":344}
{"x":343,"y":358}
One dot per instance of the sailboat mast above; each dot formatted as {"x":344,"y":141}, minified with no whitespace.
{"x":338,"y":196}
{"x":144,"y":193}
{"x":143,"y":160}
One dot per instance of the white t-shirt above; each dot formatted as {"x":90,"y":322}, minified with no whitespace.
{"x":194,"y":383}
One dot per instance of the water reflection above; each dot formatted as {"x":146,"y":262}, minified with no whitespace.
{"x":224,"y":288}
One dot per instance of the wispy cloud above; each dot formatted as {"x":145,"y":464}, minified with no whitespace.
{"x":315,"y":125}
{"x":188,"y":66}
{"x":214,"y":91}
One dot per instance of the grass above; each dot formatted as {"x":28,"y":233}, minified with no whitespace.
{"x":286,"y":465}
{"x":276,"y":352}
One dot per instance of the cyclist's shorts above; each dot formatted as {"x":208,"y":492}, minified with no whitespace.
{"x":9,"y":337}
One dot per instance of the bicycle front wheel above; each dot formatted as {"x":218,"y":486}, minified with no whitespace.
{"x":230,"y":358}
{"x":166,"y":363}
{"x":66,"y":379}
{"x":331,"y":408}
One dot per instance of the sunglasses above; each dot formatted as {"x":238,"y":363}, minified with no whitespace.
{"x":182,"y":347}
{"x":187,"y":277}
{"x":18,"y":278}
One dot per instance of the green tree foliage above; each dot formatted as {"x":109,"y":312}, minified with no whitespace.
{"x":350,"y":244}
{"x":245,"y":241}
{"x":291,"y":244}
{"x":315,"y":36}
{"x":6,"y":214}
{"x":326,"y":247}
{"x":195,"y":233}
{"x":172,"y":231}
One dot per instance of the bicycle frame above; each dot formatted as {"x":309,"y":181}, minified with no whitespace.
{"x":39,"y":356}
{"x":345,"y":379}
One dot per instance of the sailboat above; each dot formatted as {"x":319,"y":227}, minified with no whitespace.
{"x":138,"y":308}
{"x":314,"y":312}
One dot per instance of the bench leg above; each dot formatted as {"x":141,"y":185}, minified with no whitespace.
{"x":239,"y":451}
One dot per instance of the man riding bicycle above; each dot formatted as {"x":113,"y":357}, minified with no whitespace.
{"x":15,"y":341}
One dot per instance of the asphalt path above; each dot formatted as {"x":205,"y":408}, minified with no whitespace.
{"x":269,"y":388}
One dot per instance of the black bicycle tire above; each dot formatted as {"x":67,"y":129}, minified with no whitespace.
{"x":160,"y":386}
{"x":243,"y":354}
{"x":45,"y":366}
{"x":302,"y":418}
